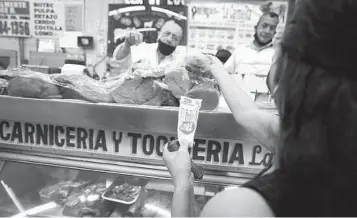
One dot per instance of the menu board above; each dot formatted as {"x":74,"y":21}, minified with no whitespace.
{"x":48,"y":19}
{"x":211,"y":26}
{"x":15,"y":18}
{"x":147,"y":19}
{"x":220,"y":25}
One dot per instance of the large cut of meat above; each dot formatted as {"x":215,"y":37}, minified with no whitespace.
{"x":146,"y":71}
{"x":164,"y":97}
{"x":29,"y":84}
{"x":179,"y":81}
{"x":136,"y":90}
{"x":33,"y":88}
{"x":198,"y":64}
{"x":23,"y":73}
{"x":82,"y":87}
{"x":208,"y":92}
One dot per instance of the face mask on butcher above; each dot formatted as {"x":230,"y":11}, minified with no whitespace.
{"x":165,"y":49}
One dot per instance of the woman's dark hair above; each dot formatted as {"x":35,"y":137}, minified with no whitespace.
{"x":273,"y":76}
{"x":317,"y":94}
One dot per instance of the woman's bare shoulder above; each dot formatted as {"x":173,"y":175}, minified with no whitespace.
{"x":240,"y":202}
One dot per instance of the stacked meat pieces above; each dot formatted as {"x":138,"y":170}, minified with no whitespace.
{"x":142,"y":85}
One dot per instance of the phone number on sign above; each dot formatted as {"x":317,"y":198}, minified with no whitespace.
{"x":14,"y":28}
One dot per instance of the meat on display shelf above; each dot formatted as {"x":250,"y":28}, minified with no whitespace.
{"x":56,"y":191}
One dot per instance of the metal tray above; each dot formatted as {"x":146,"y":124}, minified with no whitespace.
{"x":118,"y":183}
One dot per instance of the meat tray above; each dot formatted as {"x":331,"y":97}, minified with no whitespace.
{"x":124,"y":192}
{"x":88,"y":202}
{"x":59,"y":192}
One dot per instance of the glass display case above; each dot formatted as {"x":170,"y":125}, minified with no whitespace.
{"x":46,"y":191}
{"x":77,"y":159}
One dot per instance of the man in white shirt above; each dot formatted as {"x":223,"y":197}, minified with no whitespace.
{"x":160,"y":54}
{"x":249,"y":65}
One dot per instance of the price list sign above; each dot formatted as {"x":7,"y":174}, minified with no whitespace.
{"x":15,"y":18}
{"x":48,"y":19}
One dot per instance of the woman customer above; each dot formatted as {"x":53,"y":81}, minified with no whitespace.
{"x":315,"y":134}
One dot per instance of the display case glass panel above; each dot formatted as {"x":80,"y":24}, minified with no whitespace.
{"x":55,"y":191}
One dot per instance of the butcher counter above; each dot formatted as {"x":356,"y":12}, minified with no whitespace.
{"x":65,"y":139}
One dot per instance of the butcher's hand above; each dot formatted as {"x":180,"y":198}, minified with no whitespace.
{"x":179,"y":165}
{"x":133,"y":38}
